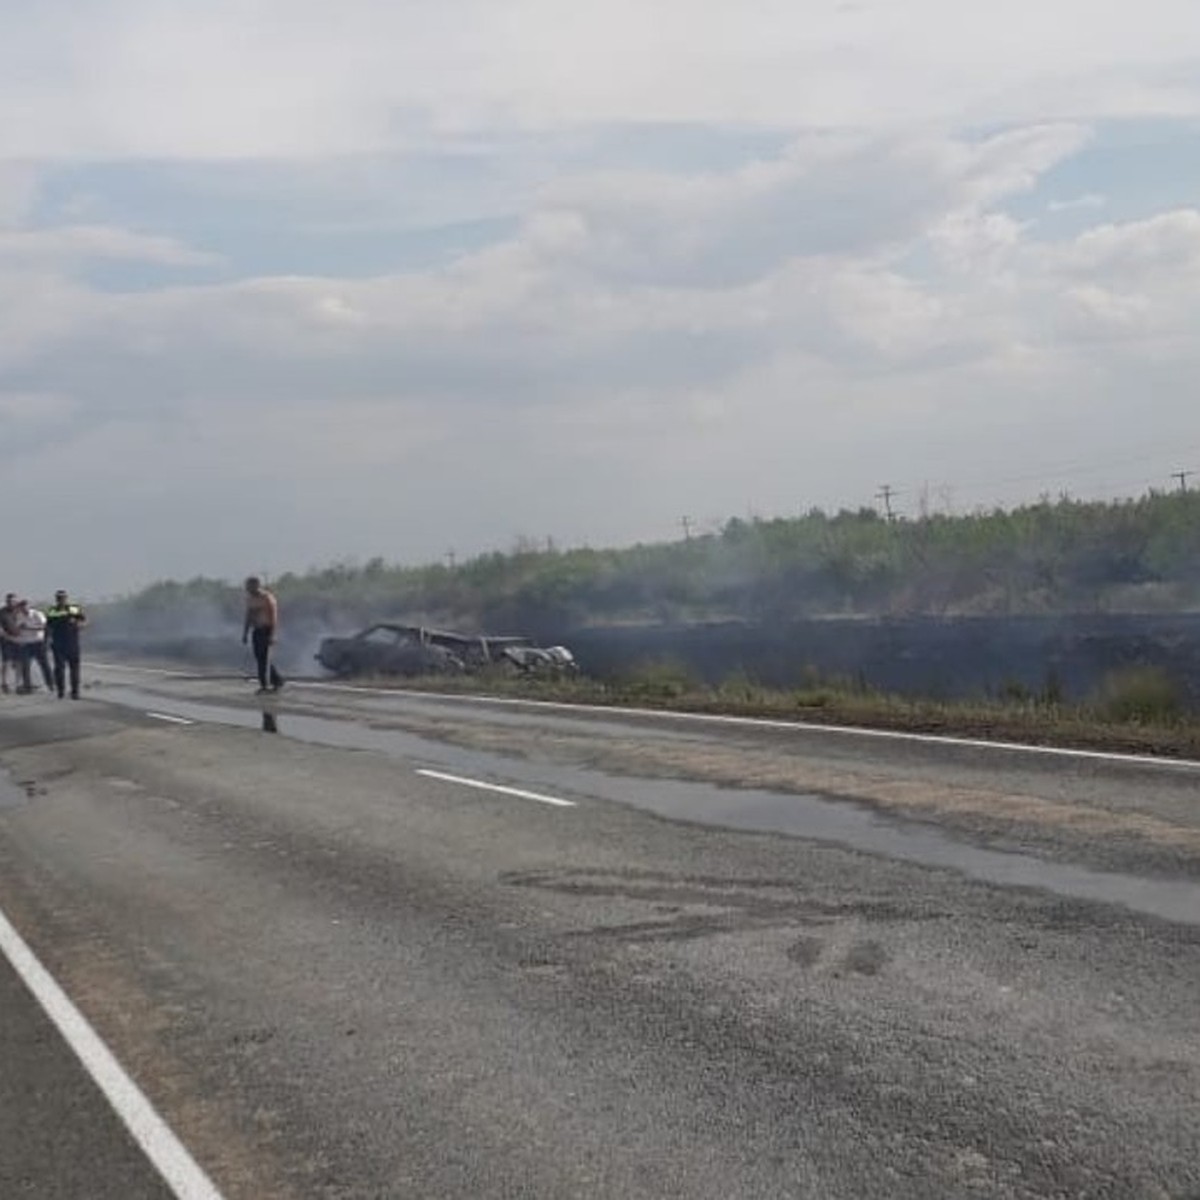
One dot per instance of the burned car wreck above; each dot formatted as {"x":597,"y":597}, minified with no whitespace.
{"x":410,"y":650}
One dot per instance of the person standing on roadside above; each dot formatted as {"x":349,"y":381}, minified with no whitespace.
{"x":31,"y":639}
{"x":64,"y":620}
{"x":10,"y":652}
{"x":262,"y":625}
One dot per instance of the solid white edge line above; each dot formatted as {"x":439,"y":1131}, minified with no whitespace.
{"x":496,"y":787}
{"x":658,"y":714}
{"x":168,"y":717}
{"x":165,"y":1151}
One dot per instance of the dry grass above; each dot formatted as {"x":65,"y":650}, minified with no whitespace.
{"x":1136,"y":713}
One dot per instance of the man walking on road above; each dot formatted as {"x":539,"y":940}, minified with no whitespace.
{"x":262,"y":623}
{"x":64,"y":620}
{"x":10,"y":652}
{"x":31,"y":640}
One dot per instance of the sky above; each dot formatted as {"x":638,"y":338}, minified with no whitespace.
{"x":284,"y":283}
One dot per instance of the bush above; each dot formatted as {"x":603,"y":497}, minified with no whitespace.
{"x":1141,"y":695}
{"x":1054,"y":692}
{"x":664,"y":679}
{"x":739,"y":688}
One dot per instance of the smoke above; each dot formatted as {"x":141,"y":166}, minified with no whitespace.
{"x":201,"y":625}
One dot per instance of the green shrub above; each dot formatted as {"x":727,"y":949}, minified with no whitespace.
{"x":738,"y":688}
{"x":661,"y":679}
{"x":1140,"y":695}
{"x":1054,"y":692}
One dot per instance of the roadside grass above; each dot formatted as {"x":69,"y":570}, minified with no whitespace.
{"x":1138,"y":710}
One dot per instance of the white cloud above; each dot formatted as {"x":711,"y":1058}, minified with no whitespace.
{"x":290,"y":78}
{"x":671,"y":283}
{"x":867,"y":303}
{"x":1089,"y":200}
{"x":74,"y":243}
{"x":1167,"y":244}
{"x":1138,"y":282}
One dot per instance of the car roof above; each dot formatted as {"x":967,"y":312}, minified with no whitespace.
{"x":443,"y":635}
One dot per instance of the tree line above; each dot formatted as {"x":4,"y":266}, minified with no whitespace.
{"x":1056,"y":555}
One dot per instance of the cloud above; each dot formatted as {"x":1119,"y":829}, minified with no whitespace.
{"x":280,"y":78}
{"x":1165,"y":245}
{"x":827,"y":195}
{"x":636,"y":282}
{"x":1089,"y":200}
{"x":727,"y":256}
{"x":75,"y":243}
{"x":1138,"y":282}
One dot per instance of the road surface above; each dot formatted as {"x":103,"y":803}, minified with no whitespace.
{"x":351,"y":944}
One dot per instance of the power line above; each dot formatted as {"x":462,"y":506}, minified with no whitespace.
{"x":1068,"y":472}
{"x":885,"y":494}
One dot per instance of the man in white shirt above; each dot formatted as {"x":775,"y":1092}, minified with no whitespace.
{"x":31,"y":640}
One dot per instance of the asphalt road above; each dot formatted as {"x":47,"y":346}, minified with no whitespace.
{"x":365,"y":945}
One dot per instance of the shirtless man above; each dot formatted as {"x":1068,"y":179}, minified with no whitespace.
{"x":261,"y":627}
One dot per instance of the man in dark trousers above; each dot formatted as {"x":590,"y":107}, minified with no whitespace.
{"x":64,"y":620}
{"x":10,"y":652}
{"x":262,"y":624}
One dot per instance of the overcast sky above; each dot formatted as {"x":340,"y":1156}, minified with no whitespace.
{"x":286,"y":282}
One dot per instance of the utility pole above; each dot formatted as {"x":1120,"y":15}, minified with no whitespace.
{"x":885,"y":494}
{"x":687,"y":524}
{"x":1183,"y":477}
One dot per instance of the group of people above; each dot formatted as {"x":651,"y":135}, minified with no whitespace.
{"x":30,"y":636}
{"x":49,"y":639}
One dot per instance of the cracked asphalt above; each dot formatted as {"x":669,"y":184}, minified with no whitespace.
{"x":746,"y":963}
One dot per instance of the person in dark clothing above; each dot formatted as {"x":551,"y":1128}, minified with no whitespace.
{"x":64,"y":620}
{"x":262,"y":625}
{"x":10,"y":651}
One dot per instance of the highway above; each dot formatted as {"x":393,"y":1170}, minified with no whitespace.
{"x":346,"y":943}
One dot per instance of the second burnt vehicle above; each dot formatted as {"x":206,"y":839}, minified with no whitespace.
{"x":393,"y":649}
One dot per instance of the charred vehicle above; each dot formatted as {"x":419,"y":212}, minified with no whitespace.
{"x":391,"y":649}
{"x":538,"y":660}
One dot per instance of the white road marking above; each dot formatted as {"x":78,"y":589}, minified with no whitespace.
{"x":150,"y":670}
{"x":168,"y":717}
{"x":658,"y":714}
{"x":496,"y":787}
{"x":165,"y":1151}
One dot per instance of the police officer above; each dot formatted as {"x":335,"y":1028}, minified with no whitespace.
{"x":64,"y":620}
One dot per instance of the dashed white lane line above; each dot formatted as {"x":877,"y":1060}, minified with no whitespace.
{"x":165,"y":1151}
{"x":168,"y":717}
{"x":496,"y":787}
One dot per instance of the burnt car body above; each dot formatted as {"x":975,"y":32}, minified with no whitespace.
{"x":387,"y":649}
{"x":539,"y":660}
{"x":392,"y":649}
